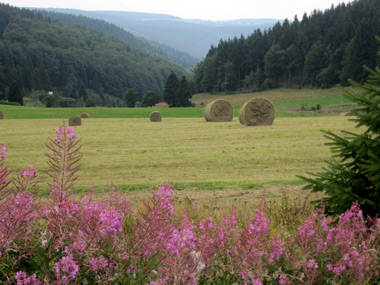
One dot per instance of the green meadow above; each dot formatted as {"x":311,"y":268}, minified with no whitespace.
{"x":285,"y":100}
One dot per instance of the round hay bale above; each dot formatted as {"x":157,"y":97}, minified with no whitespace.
{"x":218,"y":111}
{"x":1,"y":115}
{"x":84,"y":115}
{"x":257,"y":112}
{"x":155,"y":116}
{"x":75,"y":121}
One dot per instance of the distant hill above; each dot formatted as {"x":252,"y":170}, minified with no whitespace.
{"x":68,"y":16}
{"x":37,"y":53}
{"x":191,"y":36}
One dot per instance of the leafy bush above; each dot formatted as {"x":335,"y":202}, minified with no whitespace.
{"x":102,"y":240}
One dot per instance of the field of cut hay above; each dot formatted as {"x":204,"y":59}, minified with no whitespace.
{"x":190,"y":153}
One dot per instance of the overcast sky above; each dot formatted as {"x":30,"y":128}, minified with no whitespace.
{"x":194,"y":9}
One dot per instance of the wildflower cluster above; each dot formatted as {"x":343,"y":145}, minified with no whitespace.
{"x":102,"y":240}
{"x":31,"y":172}
{"x":61,"y":134}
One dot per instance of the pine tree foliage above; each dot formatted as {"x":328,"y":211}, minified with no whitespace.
{"x":355,"y":173}
{"x":177,"y":92}
{"x":184,"y":94}
{"x":322,"y":50}
{"x":171,"y":90}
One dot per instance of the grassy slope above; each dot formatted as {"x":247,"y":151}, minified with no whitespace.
{"x":276,"y":95}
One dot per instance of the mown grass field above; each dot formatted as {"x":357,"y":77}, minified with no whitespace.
{"x":190,"y":153}
{"x":204,"y":161}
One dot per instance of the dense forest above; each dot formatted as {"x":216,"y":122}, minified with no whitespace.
{"x":37,"y":53}
{"x":321,"y":50}
{"x":153,"y":48}
{"x":193,"y":36}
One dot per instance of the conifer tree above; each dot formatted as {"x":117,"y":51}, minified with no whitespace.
{"x":171,"y":90}
{"x":355,"y":174}
{"x":184,"y":93}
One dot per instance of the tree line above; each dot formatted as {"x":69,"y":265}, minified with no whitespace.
{"x":177,"y":93}
{"x":321,"y":50}
{"x":80,"y":66}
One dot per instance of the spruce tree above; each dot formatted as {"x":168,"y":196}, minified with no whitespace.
{"x":171,"y":90}
{"x":184,"y":94}
{"x":354,"y":176}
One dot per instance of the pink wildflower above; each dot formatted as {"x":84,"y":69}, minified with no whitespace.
{"x":3,"y":151}
{"x":98,"y":264}
{"x":111,"y":220}
{"x":164,"y":194}
{"x":71,"y":135}
{"x":67,"y":266}
{"x":23,"y":278}
{"x":312,"y":264}
{"x":31,"y":172}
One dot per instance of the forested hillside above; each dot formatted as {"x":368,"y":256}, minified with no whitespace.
{"x":320,"y":50}
{"x":39,"y":54}
{"x":153,"y":48}
{"x":189,"y":35}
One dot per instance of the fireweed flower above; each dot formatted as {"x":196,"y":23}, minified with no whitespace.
{"x":3,"y":151}
{"x":312,"y":264}
{"x":98,"y":264}
{"x":112,"y":221}
{"x":66,"y":265}
{"x":164,"y":194}
{"x":71,"y":135}
{"x":23,"y":278}
{"x":31,"y":172}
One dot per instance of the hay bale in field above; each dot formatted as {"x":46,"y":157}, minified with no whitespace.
{"x":218,"y":111}
{"x":75,"y":121}
{"x":347,"y":114}
{"x":257,"y":112}
{"x":84,"y":115}
{"x":1,"y":115}
{"x":155,"y":116}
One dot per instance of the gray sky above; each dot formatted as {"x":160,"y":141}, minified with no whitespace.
{"x":194,"y":9}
